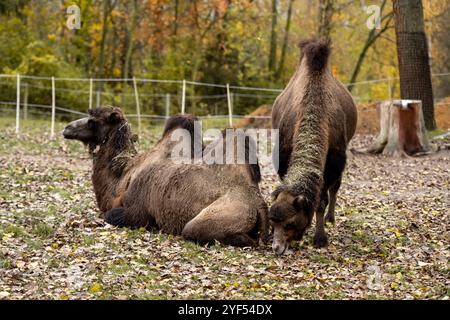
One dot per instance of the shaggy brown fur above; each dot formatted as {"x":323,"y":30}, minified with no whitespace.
{"x":316,"y":117}
{"x":203,"y":203}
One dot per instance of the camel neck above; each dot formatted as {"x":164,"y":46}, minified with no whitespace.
{"x":109,"y":163}
{"x":310,"y":145}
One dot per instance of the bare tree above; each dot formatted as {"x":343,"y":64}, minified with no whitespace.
{"x":325,"y":17}
{"x":130,"y":42}
{"x":101,"y":64}
{"x":413,"y":59}
{"x":285,"y":40}
{"x":372,"y":37}
{"x":273,"y":37}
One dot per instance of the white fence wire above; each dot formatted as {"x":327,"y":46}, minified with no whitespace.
{"x":231,"y":93}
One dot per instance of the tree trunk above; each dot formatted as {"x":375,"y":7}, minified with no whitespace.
{"x":273,"y":38}
{"x":175,"y":23}
{"x":402,"y":129}
{"x":326,"y":11}
{"x":113,"y":45}
{"x":285,"y":41}
{"x":101,"y":63}
{"x":129,"y":48}
{"x":413,"y":60}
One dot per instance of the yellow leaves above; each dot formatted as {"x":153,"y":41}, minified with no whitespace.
{"x":7,"y":236}
{"x":265,"y":286}
{"x":66,"y":174}
{"x":395,"y":285}
{"x":95,"y":288}
{"x":434,"y":8}
{"x":358,"y":233}
{"x":314,"y":286}
{"x":335,"y":70}
{"x":397,"y":233}
{"x":63,"y":297}
{"x":117,"y":72}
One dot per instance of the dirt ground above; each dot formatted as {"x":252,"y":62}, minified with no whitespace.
{"x":391,"y":238}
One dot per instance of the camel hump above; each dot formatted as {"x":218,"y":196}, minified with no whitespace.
{"x":316,"y":53}
{"x":180,"y":121}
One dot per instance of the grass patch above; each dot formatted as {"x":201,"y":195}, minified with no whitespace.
{"x":4,"y":262}
{"x":16,"y":231}
{"x":321,"y":259}
{"x":89,"y":240}
{"x":435,"y":133}
{"x":42,"y":230}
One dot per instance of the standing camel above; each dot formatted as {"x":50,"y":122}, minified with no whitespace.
{"x":316,"y":117}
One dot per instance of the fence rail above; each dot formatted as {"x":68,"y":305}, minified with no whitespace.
{"x":231,"y":92}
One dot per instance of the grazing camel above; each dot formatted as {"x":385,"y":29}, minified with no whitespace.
{"x":201,"y":202}
{"x":316,"y":117}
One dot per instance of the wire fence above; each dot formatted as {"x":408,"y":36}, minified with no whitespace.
{"x":163,"y":97}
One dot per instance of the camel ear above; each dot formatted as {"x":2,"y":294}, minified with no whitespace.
{"x":299,"y":203}
{"x":114,"y":117}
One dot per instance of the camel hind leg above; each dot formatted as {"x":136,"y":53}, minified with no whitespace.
{"x":227,"y":220}
{"x":336,"y":160}
{"x":333,"y":195}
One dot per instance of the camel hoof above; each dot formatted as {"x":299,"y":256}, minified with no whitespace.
{"x":116,"y":217}
{"x":329,"y":219}
{"x":264,"y":239}
{"x":320,"y":241}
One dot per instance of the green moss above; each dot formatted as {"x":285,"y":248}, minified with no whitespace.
{"x":435,"y":133}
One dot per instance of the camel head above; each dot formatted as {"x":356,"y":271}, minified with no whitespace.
{"x":96,"y":128}
{"x":289,"y":216}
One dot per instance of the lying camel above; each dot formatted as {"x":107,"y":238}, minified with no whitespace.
{"x":316,"y":118}
{"x":201,"y":202}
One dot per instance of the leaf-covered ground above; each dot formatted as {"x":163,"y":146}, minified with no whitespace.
{"x":391,"y":238}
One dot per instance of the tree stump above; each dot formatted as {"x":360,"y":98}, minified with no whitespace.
{"x":402,"y":129}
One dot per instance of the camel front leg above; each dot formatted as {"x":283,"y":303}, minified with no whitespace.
{"x":263,"y":225}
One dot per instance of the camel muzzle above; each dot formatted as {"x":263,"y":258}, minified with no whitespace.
{"x":75,"y":128}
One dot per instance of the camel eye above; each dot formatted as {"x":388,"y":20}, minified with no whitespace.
{"x":91,"y":124}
